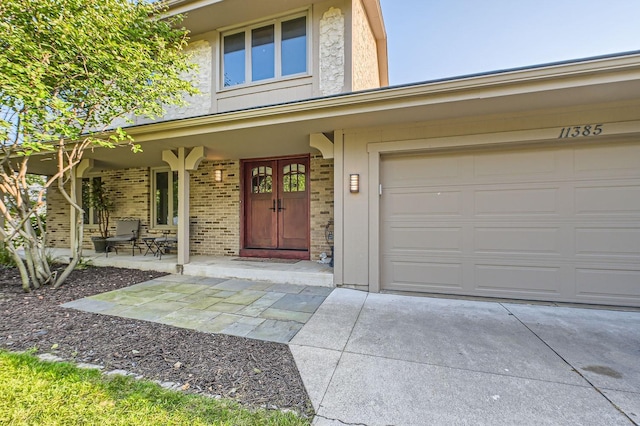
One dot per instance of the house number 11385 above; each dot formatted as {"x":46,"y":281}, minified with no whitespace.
{"x":581,"y":131}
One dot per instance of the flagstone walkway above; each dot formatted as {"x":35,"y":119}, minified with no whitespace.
{"x":258,"y":310}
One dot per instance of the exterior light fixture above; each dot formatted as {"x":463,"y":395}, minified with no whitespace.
{"x":217,"y":175}
{"x":354,"y":183}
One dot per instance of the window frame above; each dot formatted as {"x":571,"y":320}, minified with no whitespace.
{"x":170,"y":213}
{"x":247,"y":31}
{"x":90,"y":213}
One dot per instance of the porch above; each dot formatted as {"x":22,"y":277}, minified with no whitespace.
{"x":300,"y":272}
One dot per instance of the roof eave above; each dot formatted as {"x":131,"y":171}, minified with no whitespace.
{"x":441,"y":91}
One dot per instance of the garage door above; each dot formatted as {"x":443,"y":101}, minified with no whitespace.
{"x":553,"y":224}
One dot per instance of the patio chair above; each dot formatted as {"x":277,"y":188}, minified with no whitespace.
{"x":126,"y":232}
{"x":164,"y":244}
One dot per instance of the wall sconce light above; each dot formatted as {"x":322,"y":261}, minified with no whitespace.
{"x":354,"y":183}
{"x":217,"y":175}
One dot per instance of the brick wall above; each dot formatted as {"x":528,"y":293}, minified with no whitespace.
{"x":215,"y":207}
{"x":129,"y":190}
{"x":58,"y":224}
{"x":321,"y":204}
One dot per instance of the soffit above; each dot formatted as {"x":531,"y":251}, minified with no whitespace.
{"x":285,"y":129}
{"x":207,"y":15}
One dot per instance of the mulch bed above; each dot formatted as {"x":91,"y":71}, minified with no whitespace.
{"x":252,"y":372}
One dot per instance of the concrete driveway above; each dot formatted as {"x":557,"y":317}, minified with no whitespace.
{"x":378,"y":359}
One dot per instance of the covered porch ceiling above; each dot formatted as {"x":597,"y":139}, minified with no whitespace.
{"x":285,"y":129}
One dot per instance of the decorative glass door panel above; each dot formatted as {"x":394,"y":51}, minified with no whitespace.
{"x":293,"y":204}
{"x":276,"y":206}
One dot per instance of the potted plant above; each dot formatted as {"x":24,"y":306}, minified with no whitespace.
{"x":102,"y":207}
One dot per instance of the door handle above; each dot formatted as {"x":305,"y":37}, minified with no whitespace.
{"x":280,"y":205}
{"x":273,"y":209}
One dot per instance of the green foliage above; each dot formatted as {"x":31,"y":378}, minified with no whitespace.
{"x":103,"y":205}
{"x":69,"y":70}
{"x":84,"y":263}
{"x":68,"y":395}
{"x":70,"y":67}
{"x":6,"y":259}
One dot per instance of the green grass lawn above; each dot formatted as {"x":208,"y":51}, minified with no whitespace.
{"x":45,"y":393}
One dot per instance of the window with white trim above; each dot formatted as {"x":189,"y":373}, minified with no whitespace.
{"x":265,"y":51}
{"x":164,"y":199}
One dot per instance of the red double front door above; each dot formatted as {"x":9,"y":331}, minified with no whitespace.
{"x":276,"y":207}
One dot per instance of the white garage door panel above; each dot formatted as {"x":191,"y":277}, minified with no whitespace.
{"x":520,"y":240}
{"x":529,"y":201}
{"x":410,"y":276}
{"x":418,"y":204}
{"x":496,"y":280}
{"x":522,"y":163}
{"x":608,"y":200}
{"x":555,"y":224}
{"x":426,"y":238}
{"x":605,"y":160}
{"x":608,"y":284}
{"x":441,"y":169}
{"x":616,"y":242}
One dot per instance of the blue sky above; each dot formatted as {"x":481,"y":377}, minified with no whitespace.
{"x":431,"y":39}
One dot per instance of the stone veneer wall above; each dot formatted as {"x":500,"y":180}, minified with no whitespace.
{"x":215,"y":209}
{"x":332,"y":52}
{"x":365,"y":51}
{"x":321,"y":204}
{"x":201,"y":55}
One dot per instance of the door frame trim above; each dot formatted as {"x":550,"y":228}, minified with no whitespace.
{"x":275,"y":253}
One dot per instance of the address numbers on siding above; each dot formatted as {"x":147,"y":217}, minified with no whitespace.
{"x":581,"y":131}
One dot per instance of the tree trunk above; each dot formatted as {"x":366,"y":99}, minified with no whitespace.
{"x":33,"y":267}
{"x":76,"y":247}
{"x":24,"y":274}
{"x":76,"y":252}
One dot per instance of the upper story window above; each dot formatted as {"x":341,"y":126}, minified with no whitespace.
{"x":265,"y":51}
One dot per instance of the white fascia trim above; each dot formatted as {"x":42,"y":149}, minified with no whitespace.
{"x":178,"y":7}
{"x":465,"y":88}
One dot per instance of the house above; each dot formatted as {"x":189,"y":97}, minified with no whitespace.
{"x":521,"y":183}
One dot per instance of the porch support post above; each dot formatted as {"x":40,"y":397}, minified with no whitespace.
{"x":183,"y":162}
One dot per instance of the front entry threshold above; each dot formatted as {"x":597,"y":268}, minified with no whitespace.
{"x":275,"y":254}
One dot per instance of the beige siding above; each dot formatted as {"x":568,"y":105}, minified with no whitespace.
{"x":365,"y":51}
{"x":358,"y":142}
{"x":356,"y":212}
{"x":265,"y":94}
